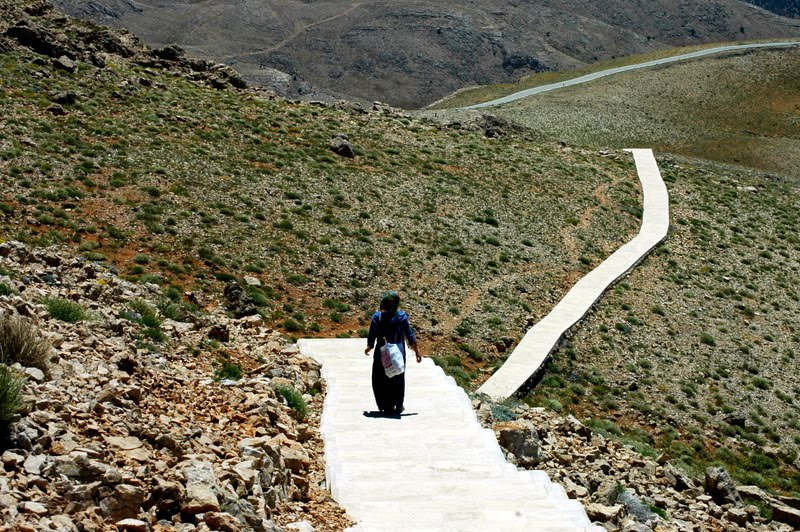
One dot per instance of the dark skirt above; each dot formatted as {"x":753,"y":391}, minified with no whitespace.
{"x":389,"y":393}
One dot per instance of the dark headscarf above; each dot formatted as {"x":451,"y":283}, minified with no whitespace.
{"x":390,"y":302}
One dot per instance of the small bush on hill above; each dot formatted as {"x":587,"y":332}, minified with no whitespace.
{"x":21,"y":342}
{"x":65,"y":309}
{"x":11,"y":384}
{"x":293,"y":399}
{"x":228,"y":370}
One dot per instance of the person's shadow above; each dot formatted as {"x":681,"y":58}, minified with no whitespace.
{"x":376,"y":413}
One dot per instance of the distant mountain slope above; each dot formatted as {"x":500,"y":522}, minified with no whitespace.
{"x":786,"y":8}
{"x":412,"y":53}
{"x":736,"y":108}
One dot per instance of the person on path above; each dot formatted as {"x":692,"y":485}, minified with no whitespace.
{"x":389,"y":324}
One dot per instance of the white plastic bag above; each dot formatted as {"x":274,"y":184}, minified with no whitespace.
{"x":392,"y":359}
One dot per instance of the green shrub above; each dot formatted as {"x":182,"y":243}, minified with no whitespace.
{"x":707,"y":339}
{"x":65,"y":309}
{"x":154,"y":333}
{"x":5,"y":290}
{"x":11,"y":384}
{"x":172,"y":293}
{"x":761,"y":383}
{"x":170,"y":310}
{"x":21,"y":342}
{"x":293,"y":399}
{"x":145,"y":314}
{"x":553,"y":404}
{"x":292,"y":326}
{"x":229,"y":370}
{"x":473,"y":353}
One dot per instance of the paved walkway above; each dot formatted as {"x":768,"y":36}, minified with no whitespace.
{"x":611,"y":71}
{"x":537,"y":344}
{"x":435,"y":468}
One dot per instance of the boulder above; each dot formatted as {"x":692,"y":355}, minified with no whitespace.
{"x":170,"y":53}
{"x":520,"y":439}
{"x":736,"y":515}
{"x":786,"y":514}
{"x":721,"y":487}
{"x":679,"y":480}
{"x":239,"y":302}
{"x":603,"y":513}
{"x":606,"y":494}
{"x":201,"y":488}
{"x":340,"y":145}
{"x":65,"y":63}
{"x":572,"y":425}
{"x":222,"y":521}
{"x":133,"y":525}
{"x":124,"y":503}
{"x":35,"y":508}
{"x":37,"y":39}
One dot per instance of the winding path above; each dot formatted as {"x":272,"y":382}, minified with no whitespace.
{"x":435,"y":467}
{"x":530,"y":355}
{"x":611,"y":71}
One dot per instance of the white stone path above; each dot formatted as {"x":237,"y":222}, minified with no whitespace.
{"x":533,"y":351}
{"x":434,"y":468}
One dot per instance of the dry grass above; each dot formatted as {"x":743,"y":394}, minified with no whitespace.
{"x":21,"y":342}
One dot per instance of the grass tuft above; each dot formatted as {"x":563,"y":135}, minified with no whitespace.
{"x":20,"y":341}
{"x":294,"y":399}
{"x":65,"y":310}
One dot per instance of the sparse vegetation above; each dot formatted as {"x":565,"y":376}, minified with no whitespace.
{"x":188,"y":187}
{"x":22,"y":342}
{"x":294,"y":399}
{"x":228,"y":370}
{"x":65,"y":310}
{"x":11,"y":385}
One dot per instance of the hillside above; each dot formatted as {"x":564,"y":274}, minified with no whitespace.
{"x":740,"y":108}
{"x":181,"y":184}
{"x":695,"y":355}
{"x":412,"y":54}
{"x":785,"y":8}
{"x":201,"y":226}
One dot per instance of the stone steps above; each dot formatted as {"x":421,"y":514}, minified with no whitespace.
{"x":433,"y":468}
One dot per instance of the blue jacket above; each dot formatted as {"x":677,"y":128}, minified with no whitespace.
{"x":394,"y":330}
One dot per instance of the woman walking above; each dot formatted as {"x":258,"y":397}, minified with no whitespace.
{"x":391,"y":325}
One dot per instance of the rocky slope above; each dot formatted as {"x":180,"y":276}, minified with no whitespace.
{"x":149,"y":426}
{"x":623,"y":490}
{"x":163,"y":180}
{"x":413,"y":54}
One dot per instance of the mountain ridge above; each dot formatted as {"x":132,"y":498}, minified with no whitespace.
{"x":415,"y":53}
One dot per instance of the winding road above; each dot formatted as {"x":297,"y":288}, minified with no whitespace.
{"x":611,"y":71}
